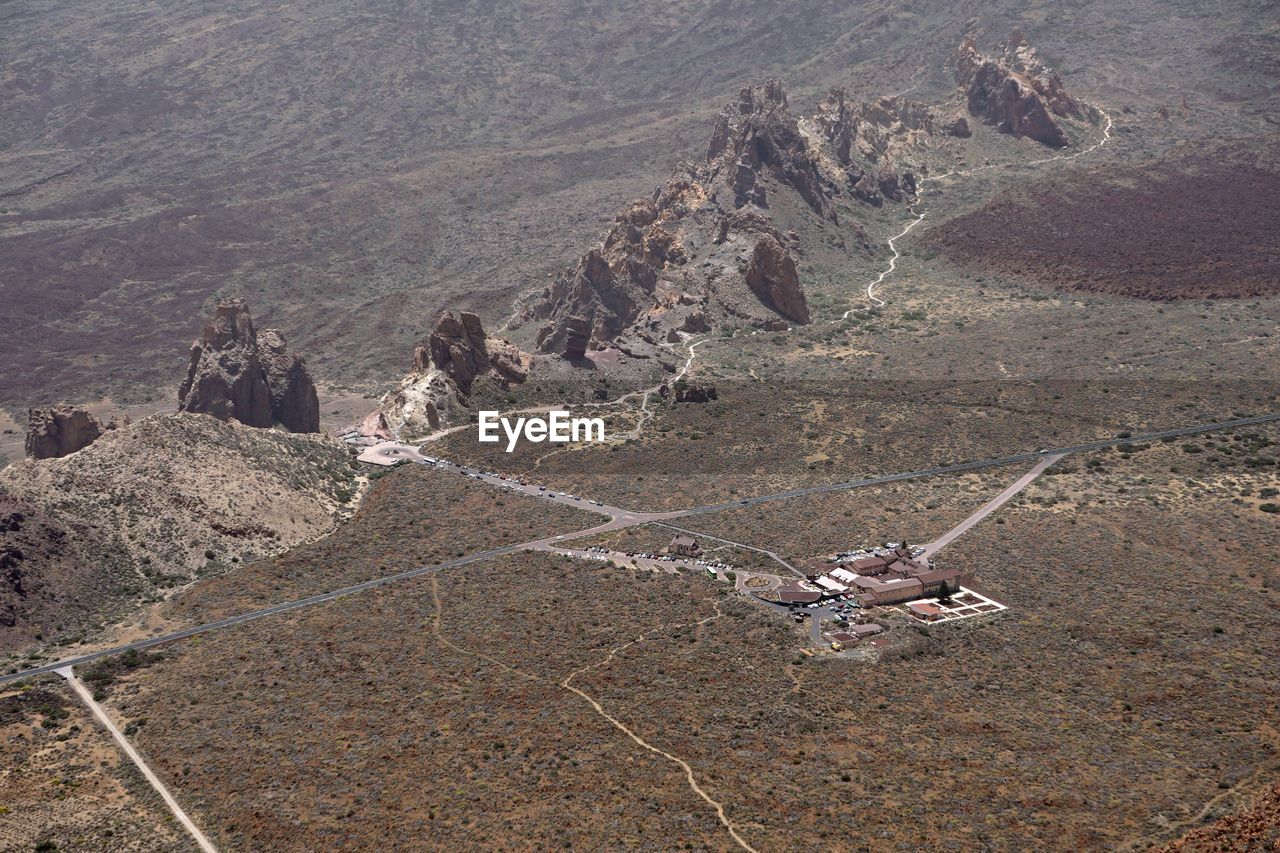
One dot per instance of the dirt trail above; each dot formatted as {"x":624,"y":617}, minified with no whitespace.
{"x":684,"y":765}
{"x":877,"y":302}
{"x":101,"y":714}
{"x":599,"y":709}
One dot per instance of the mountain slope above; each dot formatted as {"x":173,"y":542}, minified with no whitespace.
{"x":150,"y":506}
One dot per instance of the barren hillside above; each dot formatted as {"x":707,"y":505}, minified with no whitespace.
{"x":150,"y":507}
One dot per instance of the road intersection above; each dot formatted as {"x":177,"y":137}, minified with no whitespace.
{"x":618,"y":519}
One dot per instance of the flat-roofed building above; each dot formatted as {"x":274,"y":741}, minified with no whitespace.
{"x":830,"y":584}
{"x":844,"y":576}
{"x":925,"y":610}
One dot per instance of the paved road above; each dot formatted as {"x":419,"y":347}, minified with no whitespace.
{"x":619,"y":519}
{"x":815,"y":623}
{"x":101,"y":713}
{"x":991,"y":506}
{"x":273,"y":610}
{"x":1101,"y":444}
{"x":407,"y":452}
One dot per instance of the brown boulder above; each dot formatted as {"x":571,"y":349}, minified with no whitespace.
{"x":958,"y":127}
{"x":771,"y":275}
{"x":508,"y":361}
{"x":695,"y":392}
{"x":60,"y":430}
{"x":696,"y":321}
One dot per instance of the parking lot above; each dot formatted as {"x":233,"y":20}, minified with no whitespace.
{"x":649,"y":561}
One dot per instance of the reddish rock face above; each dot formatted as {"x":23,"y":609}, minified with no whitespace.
{"x":1009,"y":94}
{"x":60,"y":430}
{"x":234,"y":374}
{"x":458,"y":347}
{"x":772,"y":276}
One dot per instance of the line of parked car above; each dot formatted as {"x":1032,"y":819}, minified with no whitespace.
{"x":713,"y":565}
{"x":512,"y":483}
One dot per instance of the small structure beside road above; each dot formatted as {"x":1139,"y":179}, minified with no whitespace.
{"x":684,"y":546}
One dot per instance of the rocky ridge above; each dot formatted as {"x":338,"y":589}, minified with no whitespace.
{"x":238,"y":373}
{"x":707,"y":246}
{"x":641,"y":283}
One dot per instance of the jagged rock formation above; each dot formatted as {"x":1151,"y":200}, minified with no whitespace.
{"x":705,"y":247}
{"x":577,"y":331}
{"x":759,"y":132}
{"x":1014,"y":92}
{"x":458,"y":354}
{"x":708,"y":245}
{"x":869,"y":138}
{"x":61,"y":430}
{"x":235,"y":373}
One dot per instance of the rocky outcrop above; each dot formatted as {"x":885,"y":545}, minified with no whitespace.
{"x":695,"y":392}
{"x":457,"y":355}
{"x":61,"y":430}
{"x":1014,"y":92}
{"x":577,"y":332}
{"x":696,"y":321}
{"x":700,"y":238}
{"x":235,"y":375}
{"x":639,"y":284}
{"x":457,"y":346}
{"x":295,"y":405}
{"x":870,"y":139}
{"x":771,"y":275}
{"x":759,"y":134}
{"x":614,"y":283}
{"x":958,"y":127}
